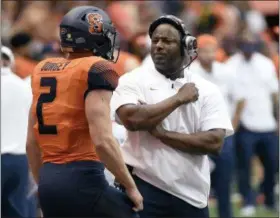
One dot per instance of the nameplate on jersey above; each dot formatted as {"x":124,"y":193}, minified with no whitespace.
{"x":50,"y":66}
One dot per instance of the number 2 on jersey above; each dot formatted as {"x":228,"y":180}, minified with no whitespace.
{"x":46,"y":98}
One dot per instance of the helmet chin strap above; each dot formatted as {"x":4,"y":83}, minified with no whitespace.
{"x":185,"y":65}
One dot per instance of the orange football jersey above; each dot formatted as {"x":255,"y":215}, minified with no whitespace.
{"x":59,"y":88}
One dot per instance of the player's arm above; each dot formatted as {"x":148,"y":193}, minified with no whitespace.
{"x":208,"y":142}
{"x":136,"y":115}
{"x":102,"y":80}
{"x":100,"y":125}
{"x":32,"y":149}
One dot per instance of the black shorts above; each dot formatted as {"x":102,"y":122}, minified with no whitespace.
{"x":79,"y":189}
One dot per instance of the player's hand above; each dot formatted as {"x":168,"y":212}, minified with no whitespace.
{"x":135,"y":196}
{"x":158,"y":131}
{"x":187,"y":93}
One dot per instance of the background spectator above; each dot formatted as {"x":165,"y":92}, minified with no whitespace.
{"x":30,"y":29}
{"x":15,"y":104}
{"x":257,"y":132}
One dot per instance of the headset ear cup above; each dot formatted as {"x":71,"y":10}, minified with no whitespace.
{"x":194,"y":43}
{"x":190,"y":44}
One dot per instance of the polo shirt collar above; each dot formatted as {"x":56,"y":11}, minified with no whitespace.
{"x":178,"y":80}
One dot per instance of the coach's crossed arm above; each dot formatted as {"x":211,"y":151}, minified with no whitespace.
{"x":206,"y":142}
{"x":214,"y":122}
{"x":147,"y":116}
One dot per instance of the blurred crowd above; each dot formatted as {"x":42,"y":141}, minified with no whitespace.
{"x":31,"y":30}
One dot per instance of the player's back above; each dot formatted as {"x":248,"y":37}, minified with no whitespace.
{"x":59,"y":88}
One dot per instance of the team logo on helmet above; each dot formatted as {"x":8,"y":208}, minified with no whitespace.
{"x":96,"y":23}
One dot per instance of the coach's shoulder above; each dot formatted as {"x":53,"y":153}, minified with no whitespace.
{"x":208,"y":91}
{"x":204,"y":85}
{"x":134,"y":76}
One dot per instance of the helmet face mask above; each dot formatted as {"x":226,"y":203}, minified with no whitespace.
{"x":113,"y":53}
{"x":89,"y":28}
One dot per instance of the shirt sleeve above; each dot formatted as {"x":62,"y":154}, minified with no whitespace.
{"x":272,"y":81}
{"x":102,"y":75}
{"x":214,"y":113}
{"x":127,"y":92}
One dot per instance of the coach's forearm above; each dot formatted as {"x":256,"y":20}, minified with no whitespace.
{"x":147,"y":116}
{"x":209,"y":142}
{"x":34,"y":159}
{"x":110,"y":154}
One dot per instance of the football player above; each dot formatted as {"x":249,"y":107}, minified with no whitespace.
{"x":70,"y":138}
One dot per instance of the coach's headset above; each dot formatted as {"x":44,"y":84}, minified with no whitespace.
{"x":188,"y":42}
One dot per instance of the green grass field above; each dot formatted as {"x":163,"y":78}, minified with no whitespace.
{"x":236,"y":199}
{"x":261,"y":212}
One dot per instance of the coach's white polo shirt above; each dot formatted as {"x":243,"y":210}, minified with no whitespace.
{"x":180,"y":174}
{"x":119,"y":132}
{"x":225,"y":79}
{"x":257,"y":79}
{"x":16,"y":99}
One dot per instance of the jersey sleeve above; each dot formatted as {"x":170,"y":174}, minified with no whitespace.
{"x":102,"y":75}
{"x":127,"y":92}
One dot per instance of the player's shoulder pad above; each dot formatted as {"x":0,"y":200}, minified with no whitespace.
{"x":102,"y":75}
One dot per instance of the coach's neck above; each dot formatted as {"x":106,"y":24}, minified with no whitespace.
{"x":173,"y":76}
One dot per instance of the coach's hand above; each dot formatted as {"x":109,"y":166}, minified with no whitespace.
{"x":136,"y":198}
{"x":187,"y":93}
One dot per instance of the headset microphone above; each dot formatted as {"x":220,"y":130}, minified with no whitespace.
{"x":185,"y":65}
